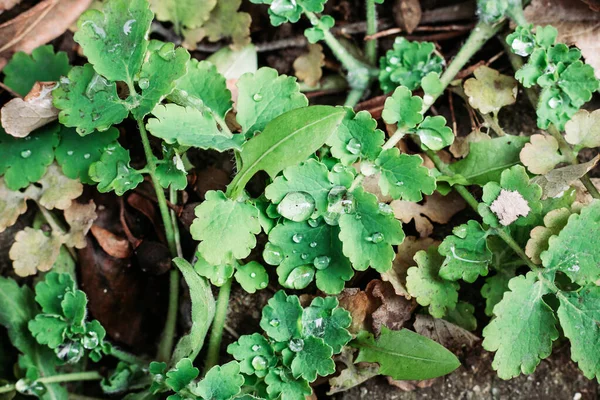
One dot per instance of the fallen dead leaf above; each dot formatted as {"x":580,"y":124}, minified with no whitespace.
{"x":435,"y":208}
{"x":558,"y":180}
{"x":113,"y":245}
{"x":360,"y":307}
{"x":452,"y":337}
{"x":8,"y":4}
{"x":354,"y":374}
{"x":582,"y":196}
{"x":40,"y":24}
{"x":22,"y":116}
{"x":34,"y":251}
{"x":404,"y":260}
{"x":393,"y":310}
{"x":308,"y":67}
{"x":461,"y":146}
{"x":407,"y":14}
{"x":80,"y":218}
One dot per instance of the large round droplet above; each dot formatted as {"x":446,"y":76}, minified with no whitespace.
{"x":297,"y":238}
{"x":353,"y":146}
{"x":376,"y":237}
{"x":272,"y":254}
{"x":26,"y":153}
{"x":90,"y":340}
{"x":274,"y":322}
{"x":313,"y":223}
{"x":257,"y":97}
{"x":259,"y":363}
{"x":144,"y":83}
{"x":296,"y":345}
{"x":300,"y":277}
{"x":340,"y":201}
{"x":385,"y":208}
{"x":321,"y":262}
{"x":296,"y":206}
{"x":368,"y":168}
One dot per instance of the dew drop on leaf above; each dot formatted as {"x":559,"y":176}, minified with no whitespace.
{"x":313,"y":223}
{"x":257,"y":97}
{"x":259,"y":363}
{"x":272,"y":254}
{"x":70,"y":152}
{"x":253,"y":275}
{"x":297,"y":238}
{"x":376,"y":237}
{"x":385,"y":208}
{"x":300,"y":277}
{"x":256,"y":347}
{"x":353,"y":146}
{"x":296,"y":345}
{"x":90,"y":340}
{"x":321,"y":262}
{"x":26,"y":153}
{"x":274,"y":323}
{"x":263,"y":285}
{"x":304,"y":256}
{"x":87,"y":155}
{"x":554,"y":102}
{"x":313,"y":244}
{"x":296,"y":206}
{"x":144,"y":83}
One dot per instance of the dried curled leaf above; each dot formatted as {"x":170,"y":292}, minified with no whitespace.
{"x":583,"y":130}
{"x":559,"y":180}
{"x":541,"y":154}
{"x":22,"y":116}
{"x":80,"y":218}
{"x":34,"y":251}
{"x":308,"y":67}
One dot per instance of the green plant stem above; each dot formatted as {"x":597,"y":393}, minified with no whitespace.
{"x":565,"y":148}
{"x":126,"y":357}
{"x":77,"y":376}
{"x":354,"y":96}
{"x":166,"y":344}
{"x":216,"y":333}
{"x":371,"y":45}
{"x":478,"y":37}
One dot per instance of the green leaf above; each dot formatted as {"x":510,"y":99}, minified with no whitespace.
{"x":523,"y":330}
{"x":369,"y":233}
{"x":424,"y":283}
{"x":87,"y":101}
{"x":488,"y":158}
{"x":227,"y":228}
{"x":554,"y":222}
{"x":122,"y":378}
{"x":317,"y":33}
{"x":312,"y":247}
{"x":188,"y":126}
{"x":324,"y":319}
{"x":575,"y":250}
{"x":315,"y":358}
{"x":252,"y":276}
{"x":265,"y":95}
{"x":75,"y":154}
{"x":203,"y":311}
{"x":203,"y":86}
{"x":405,"y":355}
{"x":494,"y":288}
{"x":356,"y":137}
{"x":220,"y":383}
{"x":407,"y":63}
{"x":113,"y":171}
{"x":182,"y":375}
{"x":434,"y":133}
{"x":216,"y":274}
{"x":171,"y":172}
{"x":432,"y":86}
{"x":26,"y":160}
{"x":43,"y":65}
{"x":183,"y":14}
{"x":554,"y":107}
{"x":74,"y":307}
{"x":255,"y":354}
{"x":48,"y":329}
{"x":462,"y":315}
{"x":281,"y":317}
{"x":403,"y":108}
{"x":287,"y":140}
{"x":579,"y":316}
{"x":578,"y":82}
{"x":467,"y":253}
{"x":307,"y":178}
{"x":50,"y":292}
{"x":158,"y":75}
{"x":281,"y":384}
{"x":288,"y":11}
{"x":403,"y":176}
{"x":114,"y":39}
{"x":514,"y":200}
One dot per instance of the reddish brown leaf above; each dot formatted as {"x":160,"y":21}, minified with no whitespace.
{"x":112,"y":244}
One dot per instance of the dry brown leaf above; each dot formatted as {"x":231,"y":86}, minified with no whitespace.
{"x":462,"y":145}
{"x":112,"y":244}
{"x":582,"y":196}
{"x":575,"y":23}
{"x":404,"y":260}
{"x":308,"y":67}
{"x":393,"y":310}
{"x":22,"y":116}
{"x":42,"y":23}
{"x":451,"y":336}
{"x":409,"y":386}
{"x":557,"y":181}
{"x":34,"y":251}
{"x":353,"y":375}
{"x":541,"y":154}
{"x":371,"y":185}
{"x":435,"y":208}
{"x":360,"y":306}
{"x":407,"y":14}
{"x":80,"y":218}
{"x":8,"y":4}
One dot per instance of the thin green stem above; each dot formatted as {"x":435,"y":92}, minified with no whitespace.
{"x":126,"y":357}
{"x":216,"y":333}
{"x":354,"y":97}
{"x":166,"y":344}
{"x":77,"y":376}
{"x":173,"y":199}
{"x":371,"y":45}
{"x":395,"y":138}
{"x":507,"y":238}
{"x":222,"y":123}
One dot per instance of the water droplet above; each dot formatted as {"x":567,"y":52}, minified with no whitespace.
{"x":300,"y":277}
{"x":127,"y":26}
{"x":321,"y":262}
{"x":259,"y":363}
{"x":296,"y":206}
{"x":338,"y":168}
{"x":296,"y":345}
{"x":95,"y":117}
{"x":331,"y":218}
{"x":272,"y":254}
{"x":70,"y":152}
{"x":340,"y":200}
{"x":70,"y":352}
{"x":368,"y":168}
{"x":274,"y":323}
{"x":263,"y":285}
{"x":304,"y":256}
{"x":257,"y":97}
{"x":394,"y":60}
{"x":554,"y":102}
{"x":353,"y":146}
{"x":26,"y":153}
{"x":313,"y":223}
{"x":99,"y":31}
{"x":167,"y":51}
{"x":256,"y":347}
{"x":313,"y":244}
{"x":385,"y":209}
{"x":399,"y":183}
{"x":297,"y":238}
{"x":97,"y":84}
{"x":144,"y":83}
{"x":87,"y":156}
{"x":376,"y":237}
{"x":90,"y":340}
{"x":253,"y":275}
